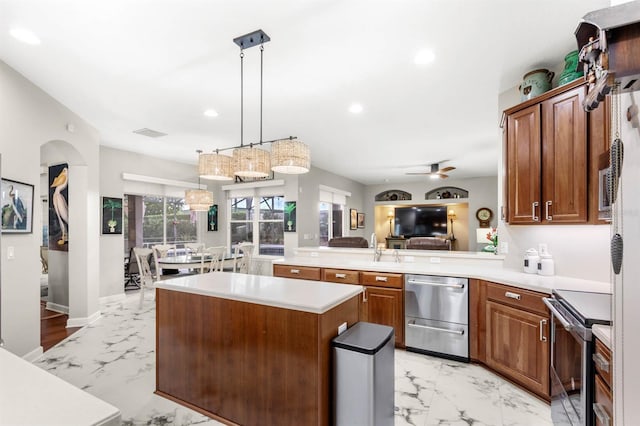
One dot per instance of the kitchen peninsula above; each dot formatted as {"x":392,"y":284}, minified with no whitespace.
{"x":248,"y":349}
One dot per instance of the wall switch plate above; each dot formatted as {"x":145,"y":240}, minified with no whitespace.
{"x":504,"y":247}
{"x":434,"y":259}
{"x":408,"y":259}
{"x":11,"y":254}
{"x":342,"y":328}
{"x":314,"y":254}
{"x":542,"y":248}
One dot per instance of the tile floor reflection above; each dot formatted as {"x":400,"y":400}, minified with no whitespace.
{"x":114,"y":359}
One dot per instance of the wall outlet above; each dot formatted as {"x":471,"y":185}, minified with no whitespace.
{"x":314,"y":254}
{"x":434,"y":259}
{"x":408,"y":258}
{"x":542,"y":248}
{"x":11,"y":254}
{"x":342,"y":328}
{"x":504,"y":247}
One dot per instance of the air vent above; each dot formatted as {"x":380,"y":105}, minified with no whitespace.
{"x":150,"y":133}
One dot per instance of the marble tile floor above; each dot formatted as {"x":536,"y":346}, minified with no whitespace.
{"x":114,"y":359}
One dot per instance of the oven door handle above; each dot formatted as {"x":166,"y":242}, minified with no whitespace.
{"x":549,"y":302}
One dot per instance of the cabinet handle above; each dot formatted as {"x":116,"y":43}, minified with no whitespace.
{"x":601,"y":414}
{"x":511,"y":295}
{"x":543,"y":338}
{"x":383,"y":279}
{"x":534,"y":205}
{"x":341,"y":275}
{"x":364,"y":294}
{"x":295,"y":271}
{"x":601,"y":362}
{"x":412,"y":323}
{"x":547,"y":206}
{"x":414,"y":281}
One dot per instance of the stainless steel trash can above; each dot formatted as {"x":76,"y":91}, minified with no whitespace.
{"x":363,"y":376}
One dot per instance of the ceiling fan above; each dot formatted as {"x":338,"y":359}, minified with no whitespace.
{"x":435,"y":173}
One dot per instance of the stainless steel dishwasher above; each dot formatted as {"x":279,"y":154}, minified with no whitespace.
{"x":437,"y":315}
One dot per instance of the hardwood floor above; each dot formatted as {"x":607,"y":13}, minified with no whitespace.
{"x":53,"y":327}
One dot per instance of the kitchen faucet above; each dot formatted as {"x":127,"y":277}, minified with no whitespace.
{"x":377,"y":252}
{"x":396,"y":256}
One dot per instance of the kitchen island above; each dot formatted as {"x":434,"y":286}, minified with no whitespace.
{"x":248,"y":349}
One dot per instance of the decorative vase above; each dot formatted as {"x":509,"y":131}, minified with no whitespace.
{"x":535,"y":83}
{"x":571,"y":70}
{"x":112,"y":225}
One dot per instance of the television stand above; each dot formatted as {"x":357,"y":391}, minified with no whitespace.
{"x":396,"y":242}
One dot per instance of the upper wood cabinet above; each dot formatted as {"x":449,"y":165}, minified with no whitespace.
{"x":547,"y":159}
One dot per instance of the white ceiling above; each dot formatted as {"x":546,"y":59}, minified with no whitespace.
{"x":123,"y":65}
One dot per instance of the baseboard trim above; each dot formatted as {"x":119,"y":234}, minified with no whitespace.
{"x":81,"y":322}
{"x":57,"y":308}
{"x":34,"y":354}
{"x":113,"y":298}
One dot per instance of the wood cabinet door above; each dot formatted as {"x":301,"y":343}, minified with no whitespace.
{"x":517,"y":346}
{"x":385,"y":306}
{"x":564,"y":158}
{"x":523,"y":165}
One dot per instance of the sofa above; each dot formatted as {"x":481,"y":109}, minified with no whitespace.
{"x":428,"y":243}
{"x":353,"y":242}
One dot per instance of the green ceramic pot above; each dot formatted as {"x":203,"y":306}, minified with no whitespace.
{"x":571,"y":70}
{"x":535,"y":83}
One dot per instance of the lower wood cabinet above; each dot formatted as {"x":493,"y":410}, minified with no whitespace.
{"x":384,"y":306}
{"x":603,"y":401}
{"x":299,"y":272}
{"x":517,"y":346}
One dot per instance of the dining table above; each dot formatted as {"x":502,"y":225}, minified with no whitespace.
{"x":193,"y":261}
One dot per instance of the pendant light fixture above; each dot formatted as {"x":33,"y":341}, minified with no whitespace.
{"x":198,"y":200}
{"x":288,"y":156}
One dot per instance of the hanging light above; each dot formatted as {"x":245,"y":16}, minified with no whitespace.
{"x":198,"y":200}
{"x":288,"y":156}
{"x":215,"y":166}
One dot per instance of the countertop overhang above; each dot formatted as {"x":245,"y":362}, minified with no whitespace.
{"x":288,"y":293}
{"x":30,"y":395}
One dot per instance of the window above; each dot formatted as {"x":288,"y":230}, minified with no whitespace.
{"x":331,"y":207}
{"x":264,"y":214}
{"x":165,"y":220}
{"x":331,"y":219}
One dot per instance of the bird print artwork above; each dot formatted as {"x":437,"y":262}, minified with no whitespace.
{"x":58,"y":207}
{"x":15,"y":217}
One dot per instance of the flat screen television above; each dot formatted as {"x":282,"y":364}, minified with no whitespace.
{"x":423,"y":221}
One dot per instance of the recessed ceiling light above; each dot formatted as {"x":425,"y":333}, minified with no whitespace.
{"x":211,"y":113}
{"x":424,"y":57}
{"x":24,"y":36}
{"x":355,"y":108}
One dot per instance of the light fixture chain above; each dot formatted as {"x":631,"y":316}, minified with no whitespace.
{"x":241,"y":98}
{"x":261,"y":56}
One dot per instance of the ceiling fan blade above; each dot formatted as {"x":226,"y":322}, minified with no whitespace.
{"x":443,"y":176}
{"x":447,"y":169}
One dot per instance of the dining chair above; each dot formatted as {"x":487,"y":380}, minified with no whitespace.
{"x":160,"y":251}
{"x":193,"y":248}
{"x":243,"y":264}
{"x":217,"y":259}
{"x":147,"y":279}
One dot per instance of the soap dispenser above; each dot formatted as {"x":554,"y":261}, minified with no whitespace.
{"x":531,"y":260}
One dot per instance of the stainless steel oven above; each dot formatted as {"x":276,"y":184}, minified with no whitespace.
{"x":437,"y":315}
{"x":572,"y":373}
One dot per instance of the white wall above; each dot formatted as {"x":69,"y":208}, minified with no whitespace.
{"x":30,"y":119}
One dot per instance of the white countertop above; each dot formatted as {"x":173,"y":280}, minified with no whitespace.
{"x":603,"y":333}
{"x":491,"y":271}
{"x":300,"y":295}
{"x":31,"y":396}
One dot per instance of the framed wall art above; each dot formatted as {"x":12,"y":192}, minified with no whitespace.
{"x":289,"y":216}
{"x":59,"y":207}
{"x":17,"y":207}
{"x":111,"y":215}
{"x":212,"y":218}
{"x":353,"y":219}
{"x":360,"y":220}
